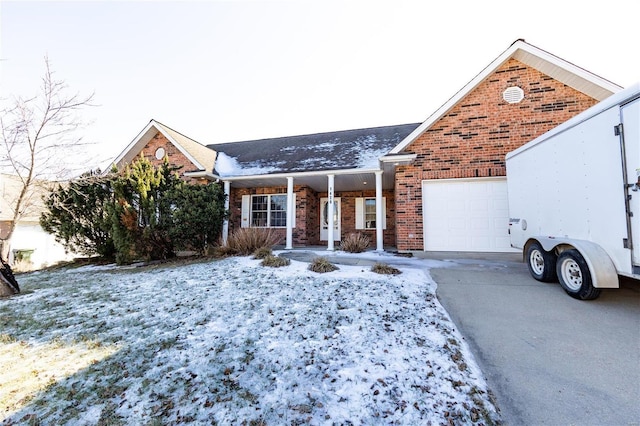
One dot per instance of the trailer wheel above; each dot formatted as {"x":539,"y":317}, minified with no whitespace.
{"x":541,"y":263}
{"x":575,"y":277}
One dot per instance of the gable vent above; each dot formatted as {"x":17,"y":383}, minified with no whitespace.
{"x":513,"y":95}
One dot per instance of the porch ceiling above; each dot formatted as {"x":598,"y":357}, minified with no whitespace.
{"x":318,"y":182}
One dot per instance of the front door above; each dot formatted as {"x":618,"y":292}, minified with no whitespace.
{"x":324,"y":219}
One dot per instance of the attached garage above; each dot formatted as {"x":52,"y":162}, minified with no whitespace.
{"x":466,"y":215}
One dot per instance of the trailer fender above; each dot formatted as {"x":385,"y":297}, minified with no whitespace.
{"x":602,"y":269}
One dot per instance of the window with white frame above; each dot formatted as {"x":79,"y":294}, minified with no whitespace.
{"x":369,"y":213}
{"x":269,"y":211}
{"x":366,"y":213}
{"x":263,"y":211}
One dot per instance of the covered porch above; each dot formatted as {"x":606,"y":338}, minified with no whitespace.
{"x":299,"y":204}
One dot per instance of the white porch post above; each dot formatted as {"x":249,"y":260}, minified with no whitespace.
{"x":225,"y":224}
{"x":330,"y":210}
{"x":290,"y":213}
{"x":379,"y":213}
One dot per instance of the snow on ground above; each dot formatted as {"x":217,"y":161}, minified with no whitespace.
{"x":232,"y":342}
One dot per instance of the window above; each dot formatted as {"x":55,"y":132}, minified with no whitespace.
{"x":263,"y":211}
{"x":366,"y":213}
{"x":268,"y":211}
{"x":369,"y":213}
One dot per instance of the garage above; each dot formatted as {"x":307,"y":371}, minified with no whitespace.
{"x":466,"y":215}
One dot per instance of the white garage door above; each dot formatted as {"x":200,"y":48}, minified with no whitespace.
{"x":466,"y":215}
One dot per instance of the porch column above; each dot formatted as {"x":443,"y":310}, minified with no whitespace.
{"x":330,"y":210}
{"x":379,"y":212}
{"x":291,"y":211}
{"x":225,"y":224}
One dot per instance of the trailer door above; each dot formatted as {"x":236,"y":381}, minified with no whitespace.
{"x":630,"y":114}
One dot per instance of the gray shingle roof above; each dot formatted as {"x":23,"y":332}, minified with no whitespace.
{"x":348,"y":149}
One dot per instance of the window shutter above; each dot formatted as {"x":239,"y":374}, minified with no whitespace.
{"x":359,"y":213}
{"x":246,"y":211}
{"x":384,"y":212}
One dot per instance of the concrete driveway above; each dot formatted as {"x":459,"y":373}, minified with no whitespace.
{"x":550,"y":359}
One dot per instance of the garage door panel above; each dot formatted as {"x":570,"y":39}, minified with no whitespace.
{"x":466,"y":215}
{"x":479,"y":205}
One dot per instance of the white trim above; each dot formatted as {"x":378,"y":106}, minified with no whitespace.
{"x":301,"y":174}
{"x":398,"y":158}
{"x":331,"y":202}
{"x":225,"y":224}
{"x":519,"y":48}
{"x":291,"y":214}
{"x":202,"y":174}
{"x":381,"y":213}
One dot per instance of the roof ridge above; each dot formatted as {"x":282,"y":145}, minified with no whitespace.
{"x":315,"y":134}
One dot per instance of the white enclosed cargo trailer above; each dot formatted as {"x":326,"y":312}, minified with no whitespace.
{"x":574,"y":198}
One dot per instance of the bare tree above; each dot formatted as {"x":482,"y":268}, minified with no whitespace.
{"x":39,"y":135}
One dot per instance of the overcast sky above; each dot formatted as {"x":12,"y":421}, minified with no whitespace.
{"x":222,"y":71}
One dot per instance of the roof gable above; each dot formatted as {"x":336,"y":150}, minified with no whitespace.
{"x":553,"y":66}
{"x":342,"y":150}
{"x":203,"y":158}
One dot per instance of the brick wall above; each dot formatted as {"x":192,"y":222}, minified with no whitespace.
{"x":176,"y":158}
{"x":472,"y":139}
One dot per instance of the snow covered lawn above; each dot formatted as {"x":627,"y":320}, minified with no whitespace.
{"x":232,"y":342}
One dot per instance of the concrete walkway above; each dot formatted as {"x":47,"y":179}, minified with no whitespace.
{"x":549,"y":359}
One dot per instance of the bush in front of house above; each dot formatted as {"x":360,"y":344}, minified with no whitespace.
{"x":196,"y":216}
{"x":77,"y":215}
{"x":141,"y":212}
{"x":355,"y":243}
{"x":322,"y":265}
{"x":245,"y":241}
{"x":383,"y":268}
{"x":275,"y":261}
{"x":262,"y":253}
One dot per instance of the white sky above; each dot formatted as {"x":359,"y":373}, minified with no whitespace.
{"x":221,"y":71}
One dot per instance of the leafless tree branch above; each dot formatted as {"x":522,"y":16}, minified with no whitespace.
{"x":38,"y":134}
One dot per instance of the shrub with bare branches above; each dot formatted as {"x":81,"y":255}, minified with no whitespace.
{"x":262,"y":253}
{"x":245,"y":241}
{"x":383,"y":268}
{"x":275,"y":261}
{"x":322,"y":265}
{"x":355,"y":243}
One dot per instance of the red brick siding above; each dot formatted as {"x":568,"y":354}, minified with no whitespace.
{"x":471,"y":140}
{"x":176,"y":158}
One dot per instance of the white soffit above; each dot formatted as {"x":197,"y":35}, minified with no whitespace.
{"x":568,"y":73}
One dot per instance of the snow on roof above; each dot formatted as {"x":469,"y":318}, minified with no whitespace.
{"x":349,"y":149}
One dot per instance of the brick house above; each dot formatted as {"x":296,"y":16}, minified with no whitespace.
{"x":439,"y":185}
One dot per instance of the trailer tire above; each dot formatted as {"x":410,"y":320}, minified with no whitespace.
{"x":575,"y":277}
{"x":541,"y":263}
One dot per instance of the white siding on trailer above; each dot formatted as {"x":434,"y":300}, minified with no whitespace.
{"x":466,"y":215}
